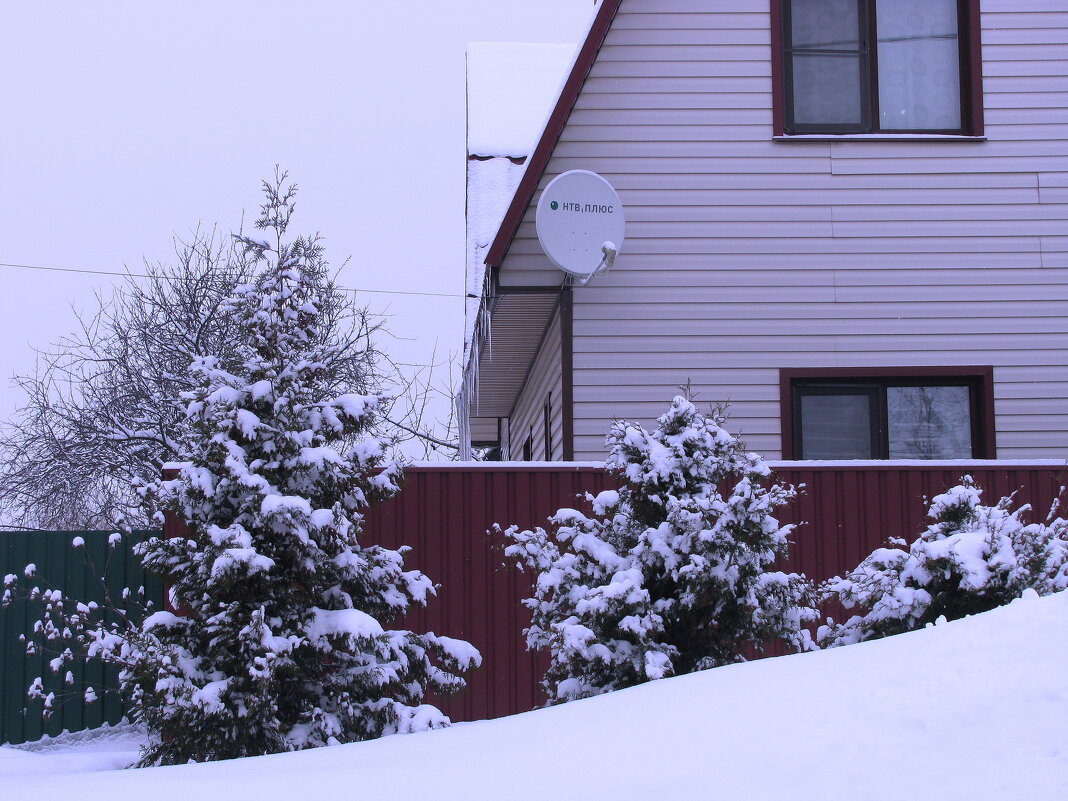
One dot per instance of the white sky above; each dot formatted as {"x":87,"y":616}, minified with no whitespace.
{"x":123,"y":123}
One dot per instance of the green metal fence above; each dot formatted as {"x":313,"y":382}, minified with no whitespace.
{"x":82,"y":574}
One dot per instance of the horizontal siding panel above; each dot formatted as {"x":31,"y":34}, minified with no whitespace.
{"x":697,"y":100}
{"x":1030,"y":212}
{"x":592,"y":425}
{"x":760,"y":313}
{"x":648,"y":410}
{"x":815,"y":182}
{"x":990,"y":344}
{"x":998,"y":12}
{"x":871,"y":166}
{"x":647,"y":37}
{"x":1027,"y":132}
{"x":1010,"y":380}
{"x":925,"y":149}
{"x":716,"y":326}
{"x":661,"y":392}
{"x":1023,"y":100}
{"x":700,"y":115}
{"x":737,"y":139}
{"x":693,"y":14}
{"x":872,"y":246}
{"x":949,"y":279}
{"x":641,"y":53}
{"x":970,"y":293}
{"x":919,"y":228}
{"x":1052,"y":423}
{"x":728,"y":262}
{"x":664,"y":85}
{"x":1011,"y":398}
{"x":1036,"y":83}
{"x":707,"y":163}
{"x":1037,"y":410}
{"x":1033,"y":390}
{"x":1020,"y":68}
{"x":798,"y":293}
{"x":763,"y":214}
{"x":998,"y":117}
{"x":702,"y":67}
{"x":794,"y":198}
{"x":973,"y":352}
{"x":1043,"y":49}
{"x":1053,"y":194}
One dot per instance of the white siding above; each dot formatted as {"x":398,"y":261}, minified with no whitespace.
{"x":543,"y":383}
{"x":745,"y":255}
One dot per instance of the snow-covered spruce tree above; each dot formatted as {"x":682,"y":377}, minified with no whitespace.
{"x":280,"y":640}
{"x":671,"y":573}
{"x":970,"y":559}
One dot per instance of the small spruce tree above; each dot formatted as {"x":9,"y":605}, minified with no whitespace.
{"x":671,"y":573}
{"x":970,"y":559}
{"x":279,"y":638}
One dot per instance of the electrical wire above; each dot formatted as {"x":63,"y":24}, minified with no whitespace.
{"x":176,"y":278}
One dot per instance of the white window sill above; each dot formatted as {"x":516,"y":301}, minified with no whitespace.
{"x":877,"y":137}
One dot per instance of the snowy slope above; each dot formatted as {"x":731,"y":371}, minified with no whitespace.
{"x":969,"y":710}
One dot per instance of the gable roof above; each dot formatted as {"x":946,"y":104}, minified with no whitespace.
{"x":539,"y":159}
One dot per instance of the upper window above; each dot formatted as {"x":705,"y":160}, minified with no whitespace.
{"x":878,"y":66}
{"x":860,"y":415}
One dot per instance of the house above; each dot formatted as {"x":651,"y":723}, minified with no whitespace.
{"x":847,"y":219}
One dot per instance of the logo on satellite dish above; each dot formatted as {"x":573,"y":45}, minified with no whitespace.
{"x":580,"y":223}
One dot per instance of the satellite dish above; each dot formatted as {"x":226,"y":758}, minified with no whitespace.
{"x":580,"y":223}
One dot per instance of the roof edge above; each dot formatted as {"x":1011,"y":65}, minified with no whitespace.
{"x":539,"y":159}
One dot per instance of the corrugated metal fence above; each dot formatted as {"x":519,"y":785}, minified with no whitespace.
{"x":76,"y":571}
{"x":444,"y":512}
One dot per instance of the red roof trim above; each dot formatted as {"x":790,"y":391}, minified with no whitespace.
{"x":539,"y":160}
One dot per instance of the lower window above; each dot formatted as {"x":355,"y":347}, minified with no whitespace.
{"x":845,"y":414}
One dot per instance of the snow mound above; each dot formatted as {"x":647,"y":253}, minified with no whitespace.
{"x":973,"y":710}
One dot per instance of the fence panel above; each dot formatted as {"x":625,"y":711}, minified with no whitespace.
{"x":77,"y":572}
{"x":444,"y":512}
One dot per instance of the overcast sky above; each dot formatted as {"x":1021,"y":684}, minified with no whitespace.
{"x":123,"y":123}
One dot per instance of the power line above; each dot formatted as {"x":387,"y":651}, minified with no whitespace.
{"x":176,"y":278}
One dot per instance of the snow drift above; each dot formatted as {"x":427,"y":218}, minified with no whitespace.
{"x":973,"y":709}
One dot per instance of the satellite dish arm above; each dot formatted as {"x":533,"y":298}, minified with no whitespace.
{"x":607,"y":260}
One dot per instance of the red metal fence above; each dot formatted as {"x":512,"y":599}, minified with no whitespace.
{"x":444,"y":512}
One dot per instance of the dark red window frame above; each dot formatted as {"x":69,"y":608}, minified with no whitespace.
{"x":979,"y":378}
{"x":971,"y":76}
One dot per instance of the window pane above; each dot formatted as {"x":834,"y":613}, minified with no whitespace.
{"x":919,"y":67}
{"x":929,"y":422}
{"x":825,"y":24}
{"x":836,"y":427}
{"x":826,"y":89}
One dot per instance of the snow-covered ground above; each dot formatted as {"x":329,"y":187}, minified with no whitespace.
{"x":975,"y":710}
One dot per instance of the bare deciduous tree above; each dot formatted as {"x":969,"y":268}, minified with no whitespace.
{"x":104,"y":411}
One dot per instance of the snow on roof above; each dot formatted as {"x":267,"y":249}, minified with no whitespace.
{"x":490,"y":186}
{"x":511,"y":90}
{"x":511,"y":87}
